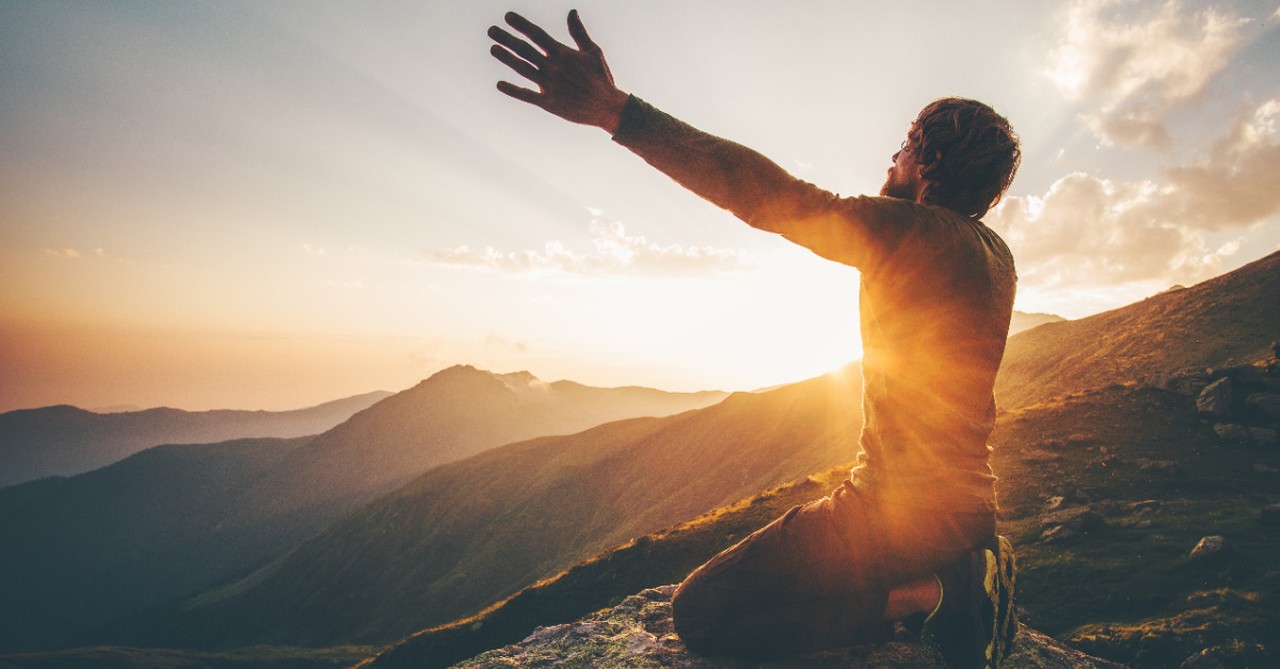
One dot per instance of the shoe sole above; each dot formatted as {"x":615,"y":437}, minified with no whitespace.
{"x":999,"y":571}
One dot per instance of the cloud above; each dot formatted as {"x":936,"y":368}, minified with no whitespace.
{"x":612,"y":251}
{"x":63,"y":253}
{"x":1088,"y":230}
{"x":1135,"y":63}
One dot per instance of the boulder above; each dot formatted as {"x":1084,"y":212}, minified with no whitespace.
{"x":1186,"y":384}
{"x":1201,"y":660}
{"x":1215,"y":399}
{"x":1157,"y":466}
{"x":1267,"y":403}
{"x":1232,"y":432}
{"x":1212,"y":547}
{"x":638,"y":633}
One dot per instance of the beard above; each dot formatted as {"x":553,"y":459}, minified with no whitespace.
{"x":896,"y":188}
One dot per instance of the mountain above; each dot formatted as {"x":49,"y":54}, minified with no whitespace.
{"x":1226,"y":320}
{"x":82,"y":551}
{"x":468,"y":533}
{"x":88,"y":548}
{"x":455,"y":413}
{"x":1025,"y":321}
{"x":64,"y":440}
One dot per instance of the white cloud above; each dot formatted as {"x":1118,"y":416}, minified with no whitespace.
{"x":63,"y":253}
{"x":1135,"y":63}
{"x":1092,"y":231}
{"x":612,"y":251}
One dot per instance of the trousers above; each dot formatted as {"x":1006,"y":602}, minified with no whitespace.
{"x":819,"y":576}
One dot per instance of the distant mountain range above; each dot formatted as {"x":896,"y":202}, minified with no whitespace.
{"x":465,"y":534}
{"x":84,"y":550}
{"x":1024,"y":321}
{"x":64,"y":440}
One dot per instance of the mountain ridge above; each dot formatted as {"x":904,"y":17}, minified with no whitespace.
{"x":1229,"y":319}
{"x":64,"y":440}
{"x":271,"y":504}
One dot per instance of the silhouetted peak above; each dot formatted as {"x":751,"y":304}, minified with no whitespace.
{"x":523,"y":378}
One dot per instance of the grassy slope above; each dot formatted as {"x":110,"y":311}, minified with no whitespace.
{"x":1120,"y":572}
{"x":1230,"y":319}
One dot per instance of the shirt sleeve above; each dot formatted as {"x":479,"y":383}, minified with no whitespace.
{"x":853,"y":231}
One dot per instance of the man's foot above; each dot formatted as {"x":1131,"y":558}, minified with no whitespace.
{"x":975,"y":624}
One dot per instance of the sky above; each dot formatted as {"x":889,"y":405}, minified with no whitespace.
{"x":268,"y":205}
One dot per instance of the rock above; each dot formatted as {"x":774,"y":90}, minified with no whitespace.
{"x":1215,"y":399}
{"x":1054,"y":502}
{"x":1264,"y":468}
{"x":1231,"y":432}
{"x":1267,"y":403}
{"x":1145,"y":506}
{"x":1212,"y":547}
{"x":1263,"y":436}
{"x":1078,"y":518}
{"x":1270,"y":513}
{"x":1058,"y":534}
{"x":638,"y":633}
{"x":1201,"y":660}
{"x":1189,"y":385}
{"x":1157,"y":466}
{"x":1103,"y":462}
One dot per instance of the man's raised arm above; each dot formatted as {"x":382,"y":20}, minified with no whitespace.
{"x":576,"y":85}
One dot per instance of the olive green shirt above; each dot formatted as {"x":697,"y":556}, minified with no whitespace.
{"x":936,"y":296}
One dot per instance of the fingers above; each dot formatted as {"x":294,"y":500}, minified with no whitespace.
{"x":521,"y":67}
{"x":519,"y":46}
{"x":579,"y":33}
{"x":533,"y":32}
{"x":521,"y":94}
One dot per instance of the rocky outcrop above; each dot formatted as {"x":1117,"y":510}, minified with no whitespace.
{"x":638,"y":633}
{"x":1215,"y":399}
{"x":1242,"y":403}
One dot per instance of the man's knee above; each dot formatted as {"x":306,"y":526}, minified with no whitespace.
{"x":693,"y":616}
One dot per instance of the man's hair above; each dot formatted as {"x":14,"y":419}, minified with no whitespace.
{"x":968,"y":154}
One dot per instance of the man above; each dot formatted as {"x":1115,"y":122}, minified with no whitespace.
{"x":911,"y":535}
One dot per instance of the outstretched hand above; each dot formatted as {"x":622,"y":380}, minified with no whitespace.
{"x":574,"y":84}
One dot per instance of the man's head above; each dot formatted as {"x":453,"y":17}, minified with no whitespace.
{"x":959,"y":154}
